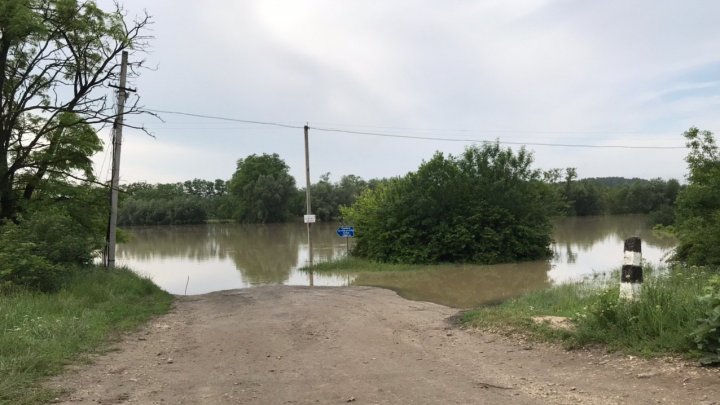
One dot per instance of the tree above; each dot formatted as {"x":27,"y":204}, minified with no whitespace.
{"x":697,"y":212}
{"x":350,"y":188}
{"x":486,"y":206}
{"x":66,"y":229}
{"x":324,"y":199}
{"x":57,"y":60}
{"x":263,"y":188}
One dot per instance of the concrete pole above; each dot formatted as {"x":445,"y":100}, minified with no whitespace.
{"x":117,"y":143}
{"x":632,"y":274}
{"x":307,"y":196}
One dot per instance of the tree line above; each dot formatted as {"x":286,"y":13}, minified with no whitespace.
{"x":485,"y":206}
{"x":262,"y":190}
{"x":617,"y":195}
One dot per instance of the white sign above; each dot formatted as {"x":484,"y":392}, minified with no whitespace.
{"x":309,"y":219}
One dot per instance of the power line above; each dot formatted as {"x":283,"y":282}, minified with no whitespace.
{"x":509,"y":131}
{"x":212,"y":117}
{"x":429,"y":138}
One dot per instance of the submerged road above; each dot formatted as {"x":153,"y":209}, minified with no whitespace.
{"x":300,"y":345}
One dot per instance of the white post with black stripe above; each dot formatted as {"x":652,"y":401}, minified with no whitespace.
{"x":632,"y":275}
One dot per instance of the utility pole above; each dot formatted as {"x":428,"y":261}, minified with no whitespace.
{"x":307,"y":197}
{"x":115,"y":182}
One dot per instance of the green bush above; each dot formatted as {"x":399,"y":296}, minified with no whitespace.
{"x":34,"y":251}
{"x":661,"y":322}
{"x":707,"y":334}
{"x":698,"y":205}
{"x":485,"y":206}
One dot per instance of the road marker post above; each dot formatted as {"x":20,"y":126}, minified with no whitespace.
{"x":631,"y":277}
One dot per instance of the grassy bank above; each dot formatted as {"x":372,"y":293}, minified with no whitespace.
{"x":356,"y":264}
{"x":660,"y":323}
{"x":42,"y":332}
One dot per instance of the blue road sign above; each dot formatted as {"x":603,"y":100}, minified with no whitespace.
{"x":346,"y":232}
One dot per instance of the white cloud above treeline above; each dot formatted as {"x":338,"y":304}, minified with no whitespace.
{"x":613,"y":72}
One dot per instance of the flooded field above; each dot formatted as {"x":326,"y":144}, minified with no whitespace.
{"x":200,"y":259}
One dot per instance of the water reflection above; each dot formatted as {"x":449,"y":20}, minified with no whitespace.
{"x":584,"y":232}
{"x":586,"y":245}
{"x":224,"y":256}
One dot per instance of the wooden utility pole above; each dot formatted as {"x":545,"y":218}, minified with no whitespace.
{"x":115,"y":182}
{"x":307,"y":197}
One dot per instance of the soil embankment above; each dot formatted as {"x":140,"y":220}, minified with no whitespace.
{"x":299,"y":345}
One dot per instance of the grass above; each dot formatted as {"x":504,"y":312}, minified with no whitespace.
{"x":219,"y":221}
{"x":660,"y":323}
{"x":42,"y":332}
{"x":356,"y":264}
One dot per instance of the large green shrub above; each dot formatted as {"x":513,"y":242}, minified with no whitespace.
{"x":35,"y":251}
{"x":707,"y":334}
{"x":62,"y":227}
{"x":697,"y":212}
{"x":486,"y":206}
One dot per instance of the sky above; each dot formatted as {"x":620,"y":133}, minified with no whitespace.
{"x":601,"y":73}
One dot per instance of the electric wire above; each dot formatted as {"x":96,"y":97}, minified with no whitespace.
{"x":510,"y":131}
{"x":213,"y":117}
{"x":430,"y":138}
{"x":102,"y":166}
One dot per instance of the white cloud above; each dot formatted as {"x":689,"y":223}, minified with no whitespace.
{"x":636,"y":73}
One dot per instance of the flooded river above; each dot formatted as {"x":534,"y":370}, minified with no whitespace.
{"x":205,"y":258}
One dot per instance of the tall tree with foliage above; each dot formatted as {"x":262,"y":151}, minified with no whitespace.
{"x":486,"y":206}
{"x":698,"y":205}
{"x":57,"y":60}
{"x":263,"y":188}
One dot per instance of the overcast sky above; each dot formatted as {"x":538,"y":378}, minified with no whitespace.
{"x":537,"y":71}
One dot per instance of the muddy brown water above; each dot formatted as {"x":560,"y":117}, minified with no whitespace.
{"x":213,"y":257}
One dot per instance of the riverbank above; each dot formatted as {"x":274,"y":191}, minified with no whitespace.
{"x":41,"y":333}
{"x":357,"y":265}
{"x":280,"y":344}
{"x":578,"y":314}
{"x":662,"y":322}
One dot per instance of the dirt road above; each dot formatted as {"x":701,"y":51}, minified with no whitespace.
{"x":298,"y":345}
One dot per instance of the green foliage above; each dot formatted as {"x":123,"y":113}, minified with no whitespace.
{"x":175,"y":211}
{"x":486,"y":206}
{"x":189,"y":202}
{"x":585,"y":198}
{"x":325,"y":204}
{"x":663,"y":216}
{"x":57,"y":232}
{"x":698,"y":206}
{"x":643,"y":196}
{"x":56,"y":59}
{"x":41,"y":332}
{"x":356,"y":264}
{"x":616,"y":195}
{"x":707,"y":334}
{"x":661,"y":322}
{"x":263,"y":189}
{"x":328,"y":198}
